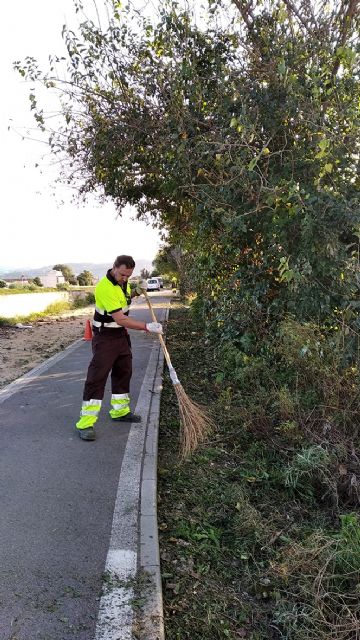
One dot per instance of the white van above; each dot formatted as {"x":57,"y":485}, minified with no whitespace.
{"x":153,"y":284}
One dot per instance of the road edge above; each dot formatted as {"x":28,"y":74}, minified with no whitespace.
{"x":15,"y":385}
{"x":131,"y":604}
{"x":151,"y":615}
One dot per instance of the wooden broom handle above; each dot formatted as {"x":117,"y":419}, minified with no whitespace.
{"x":166,"y":353}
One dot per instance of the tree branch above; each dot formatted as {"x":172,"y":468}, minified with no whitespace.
{"x":292,"y":9}
{"x":245,"y":11}
{"x":351,"y":12}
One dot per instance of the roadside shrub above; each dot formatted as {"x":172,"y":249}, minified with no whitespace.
{"x":310,"y":474}
{"x":319,"y":585}
{"x":57,"y":307}
{"x":2,"y":284}
{"x":78,"y":303}
{"x":286,"y":403}
{"x":90,"y":298}
{"x":298,"y":371}
{"x":83,"y":301}
{"x":291,"y":388}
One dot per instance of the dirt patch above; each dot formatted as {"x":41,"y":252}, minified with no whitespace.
{"x":23,"y":349}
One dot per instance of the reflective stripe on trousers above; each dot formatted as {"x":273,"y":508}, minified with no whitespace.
{"x":89,"y":413}
{"x":120,"y":405}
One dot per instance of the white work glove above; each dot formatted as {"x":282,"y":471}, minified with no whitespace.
{"x":140,"y":287}
{"x":154,"y":327}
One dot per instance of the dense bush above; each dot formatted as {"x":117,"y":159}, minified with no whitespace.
{"x":85,"y":278}
{"x":239,"y":138}
{"x":90,"y":298}
{"x":83,"y":301}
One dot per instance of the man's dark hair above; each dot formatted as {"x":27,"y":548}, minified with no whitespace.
{"x":128,"y":261}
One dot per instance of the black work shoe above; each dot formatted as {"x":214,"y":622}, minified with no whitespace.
{"x":129,"y":417}
{"x":87,"y":434}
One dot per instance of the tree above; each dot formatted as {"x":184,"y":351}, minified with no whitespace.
{"x":173,"y":262}
{"x":37,"y":281}
{"x":164,"y":261}
{"x":85,"y":278}
{"x":67,"y":273}
{"x":2,"y":284}
{"x":144,"y":273}
{"x":240,"y":140}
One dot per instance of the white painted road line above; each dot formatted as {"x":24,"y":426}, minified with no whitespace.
{"x":116,"y":618}
{"x":115,"y":606}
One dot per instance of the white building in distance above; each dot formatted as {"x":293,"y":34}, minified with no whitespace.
{"x":52,"y":278}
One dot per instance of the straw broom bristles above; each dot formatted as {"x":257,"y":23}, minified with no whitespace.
{"x":195,"y":424}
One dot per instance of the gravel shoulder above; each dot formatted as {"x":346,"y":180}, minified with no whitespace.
{"x":23,"y":349}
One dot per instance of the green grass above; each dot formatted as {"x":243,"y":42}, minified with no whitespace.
{"x":252,"y":543}
{"x":9,"y":292}
{"x":5,"y":291}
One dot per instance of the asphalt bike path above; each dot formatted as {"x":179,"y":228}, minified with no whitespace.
{"x":65,"y":505}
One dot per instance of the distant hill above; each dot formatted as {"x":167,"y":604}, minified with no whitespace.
{"x":98,"y":270}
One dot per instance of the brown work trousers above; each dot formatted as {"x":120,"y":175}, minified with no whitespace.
{"x":111,"y":352}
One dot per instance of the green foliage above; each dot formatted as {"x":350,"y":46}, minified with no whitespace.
{"x":262,"y":513}
{"x":322,"y":574}
{"x":308,"y":466}
{"x":166,"y":263}
{"x":84,"y":301}
{"x":67,"y":273}
{"x":16,"y":289}
{"x":37,"y":282}
{"x":242,"y":147}
{"x":85,"y":278}
{"x":53,"y":309}
{"x":2,"y":284}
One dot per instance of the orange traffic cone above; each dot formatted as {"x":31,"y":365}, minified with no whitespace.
{"x":88,"y":331}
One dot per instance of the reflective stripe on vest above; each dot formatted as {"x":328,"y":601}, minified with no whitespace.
{"x":103,"y":312}
{"x":108,"y":325}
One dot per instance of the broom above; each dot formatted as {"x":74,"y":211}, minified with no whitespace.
{"x":195,"y":424}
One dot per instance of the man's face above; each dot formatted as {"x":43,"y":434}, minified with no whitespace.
{"x":121,"y":273}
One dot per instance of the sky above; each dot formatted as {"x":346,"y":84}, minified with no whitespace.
{"x":39,"y":223}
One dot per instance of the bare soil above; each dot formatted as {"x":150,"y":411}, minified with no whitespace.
{"x":23,"y":349}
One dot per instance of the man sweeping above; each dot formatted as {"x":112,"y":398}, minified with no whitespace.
{"x":111,"y":347}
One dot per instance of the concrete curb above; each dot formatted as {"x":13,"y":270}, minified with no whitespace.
{"x":133,"y":560}
{"x":151,"y":618}
{"x":119,"y":617}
